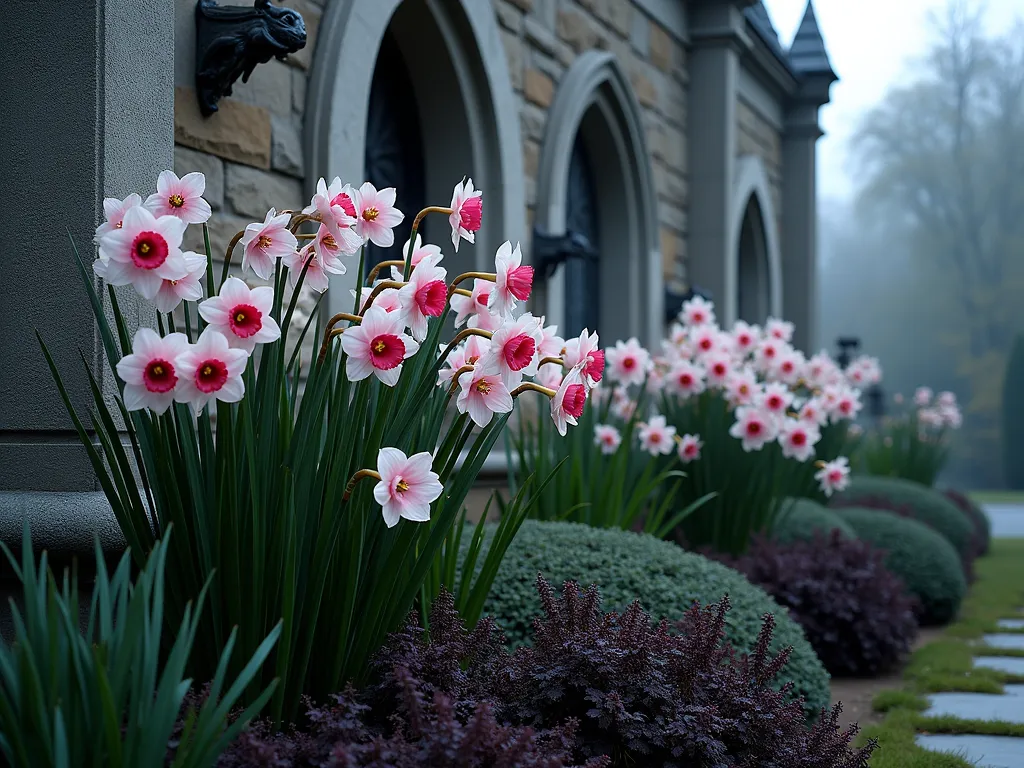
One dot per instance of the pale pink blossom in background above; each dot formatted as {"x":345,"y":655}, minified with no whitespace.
{"x":820,"y":371}
{"x":814,"y":412}
{"x":622,"y":405}
{"x":847,"y":404}
{"x":798,"y":439}
{"x":150,"y":372}
{"x":705,"y":340}
{"x":946,"y":399}
{"x":376,"y":215}
{"x":242,"y":314}
{"x":482,"y":395}
{"x":745,"y":337}
{"x":467,"y":212}
{"x":779,"y":329}
{"x":514,"y":280}
{"x":923,"y":397}
{"x":551,"y":344}
{"x":789,"y":367}
{"x":550,"y":375}
{"x":388,"y":299}
{"x":685,"y":379}
{"x":423,"y":254}
{"x":741,"y":388}
{"x":182,"y":198}
{"x":628,"y":362}
{"x":607,"y":438}
{"x":775,"y":399}
{"x":689,"y":448}
{"x":833,"y":475}
{"x":657,"y":436}
{"x":209,"y":370}
{"x":467,"y":306}
{"x":263,"y":244}
{"x":767,"y":353}
{"x":336,"y":205}
{"x":187,"y":288}
{"x":377,"y":346}
{"x":316,"y":276}
{"x":569,"y":400}
{"x":898,"y":398}
{"x":407,"y":486}
{"x":717,"y":369}
{"x":423,"y":297}
{"x":455,"y":360}
{"x":697,"y":311}
{"x":754,"y":427}
{"x":512,"y":352}
{"x":144,"y":251}
{"x":113,"y":211}
{"x":586,"y":349}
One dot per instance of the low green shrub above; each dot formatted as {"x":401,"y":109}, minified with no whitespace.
{"x":800,"y":519}
{"x":666,"y":579}
{"x":982,"y":525}
{"x":926,"y":561}
{"x":1013,"y":417}
{"x":914,"y":500}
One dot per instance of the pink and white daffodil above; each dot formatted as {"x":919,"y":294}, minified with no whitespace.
{"x":467,"y":212}
{"x":514,"y":280}
{"x":833,"y":476}
{"x":697,"y":311}
{"x":144,"y":251}
{"x":685,"y":379}
{"x":209,"y":370}
{"x":187,"y":288}
{"x":316,"y":276}
{"x":689,"y":448}
{"x":242,"y":314}
{"x":628,"y":362}
{"x":569,"y":400}
{"x":150,"y":372}
{"x":754,"y":427}
{"x":113,"y":211}
{"x":263,"y":244}
{"x":482,"y":395}
{"x":376,"y":214}
{"x":407,"y":486}
{"x":586,"y":350}
{"x":181,"y":198}
{"x":423,"y":297}
{"x":336,"y":205}
{"x":607,"y":438}
{"x":378,"y":346}
{"x":474,"y":304}
{"x":512,"y":353}
{"x":798,"y":439}
{"x":657,"y":436}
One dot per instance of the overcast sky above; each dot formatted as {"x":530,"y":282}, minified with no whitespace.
{"x":872,"y":44}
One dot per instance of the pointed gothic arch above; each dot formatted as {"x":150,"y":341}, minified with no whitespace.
{"x":595,"y":116}
{"x":754,"y":271}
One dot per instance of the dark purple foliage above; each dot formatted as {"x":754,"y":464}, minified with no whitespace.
{"x":982,"y":533}
{"x":857,"y":615}
{"x":904,"y":510}
{"x":593,"y":685}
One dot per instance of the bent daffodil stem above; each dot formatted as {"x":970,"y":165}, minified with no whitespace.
{"x":302,"y":218}
{"x":555,"y":360}
{"x":455,"y":382}
{"x":461,"y":336}
{"x":227,"y":255}
{"x":463,"y":292}
{"x":422,"y":215}
{"x":362,"y":474}
{"x":329,"y":331}
{"x":377,"y":290}
{"x":529,"y":386}
{"x":374,"y":272}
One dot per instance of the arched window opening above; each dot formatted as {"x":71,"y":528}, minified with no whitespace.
{"x":582,"y":272}
{"x":753,"y":299}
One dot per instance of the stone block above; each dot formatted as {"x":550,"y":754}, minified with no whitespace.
{"x":669,"y":184}
{"x":578,"y":30}
{"x":310,"y":13}
{"x":188,"y":160}
{"x":514,"y":53}
{"x":617,"y":14}
{"x":252,"y":193}
{"x":1008,"y":708}
{"x":673,"y":100}
{"x":539,"y":36}
{"x":286,"y":146}
{"x":661,"y":47}
{"x":539,"y":88}
{"x":640,"y":35}
{"x":546,"y":64}
{"x":645,"y":90}
{"x":981,"y":751}
{"x":223,"y":227}
{"x":509,"y":16}
{"x":673,"y":214}
{"x":532,"y":120}
{"x":269,"y":86}
{"x":299,"y":91}
{"x":668,"y":252}
{"x":237,"y":131}
{"x":565,"y":53}
{"x":524,"y":5}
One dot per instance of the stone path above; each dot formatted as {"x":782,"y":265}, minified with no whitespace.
{"x":988,"y":751}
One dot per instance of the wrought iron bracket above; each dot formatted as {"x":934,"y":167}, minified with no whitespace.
{"x":232,"y":40}
{"x":551,"y":251}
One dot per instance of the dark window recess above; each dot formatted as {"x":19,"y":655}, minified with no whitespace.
{"x":394,"y":145}
{"x":582,"y":272}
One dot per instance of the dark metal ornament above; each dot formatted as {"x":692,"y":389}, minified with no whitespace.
{"x":232,"y":40}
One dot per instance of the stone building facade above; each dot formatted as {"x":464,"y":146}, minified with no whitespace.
{"x":637,"y":148}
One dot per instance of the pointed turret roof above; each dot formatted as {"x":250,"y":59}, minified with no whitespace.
{"x":758,"y":16}
{"x":807,"y":54}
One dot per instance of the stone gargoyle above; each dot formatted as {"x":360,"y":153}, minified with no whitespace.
{"x":232,"y":40}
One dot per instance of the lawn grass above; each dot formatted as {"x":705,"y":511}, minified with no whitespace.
{"x":997,"y":497}
{"x":947,"y":665}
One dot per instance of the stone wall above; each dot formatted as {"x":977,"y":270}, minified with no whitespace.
{"x":755,"y":135}
{"x":252,"y":151}
{"x":543,"y":37}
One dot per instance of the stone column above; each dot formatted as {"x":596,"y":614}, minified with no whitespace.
{"x":717,"y":33}
{"x":88,"y":102}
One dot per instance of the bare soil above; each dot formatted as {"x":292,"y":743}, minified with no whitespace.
{"x":856,"y":693}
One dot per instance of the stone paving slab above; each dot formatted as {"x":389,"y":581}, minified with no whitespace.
{"x":1004,"y":640}
{"x":1007,"y":520}
{"x":1011,"y":623}
{"x":987,"y":751}
{"x":1011,"y":665}
{"x":1009,"y":707}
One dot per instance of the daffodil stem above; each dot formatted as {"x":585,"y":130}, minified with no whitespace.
{"x":469,"y":276}
{"x":462,"y":335}
{"x":378,"y":289}
{"x":301,"y":219}
{"x":455,"y":383}
{"x":328,"y":331}
{"x":529,"y":386}
{"x":373,"y":272}
{"x":227,"y":256}
{"x":362,"y":474}
{"x":554,"y":360}
{"x":422,"y":215}
{"x":462,"y":292}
